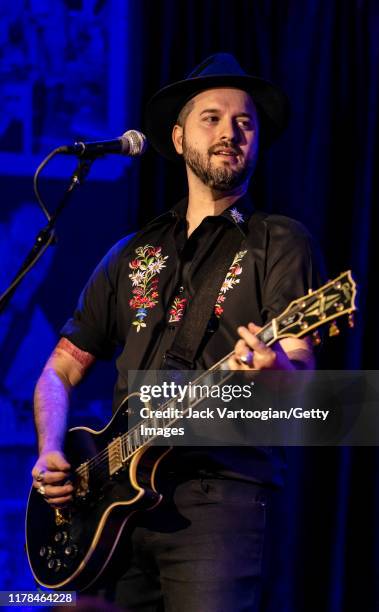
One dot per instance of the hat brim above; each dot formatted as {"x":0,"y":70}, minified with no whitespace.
{"x":164,"y":107}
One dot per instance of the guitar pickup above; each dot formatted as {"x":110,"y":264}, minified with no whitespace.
{"x":114,"y":456}
{"x":82,"y":484}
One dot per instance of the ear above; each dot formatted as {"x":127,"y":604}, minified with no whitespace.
{"x":177,"y":138}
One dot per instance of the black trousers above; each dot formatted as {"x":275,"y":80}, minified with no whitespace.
{"x":201,"y":550}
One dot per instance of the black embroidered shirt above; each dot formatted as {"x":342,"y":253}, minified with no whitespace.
{"x":138,"y":295}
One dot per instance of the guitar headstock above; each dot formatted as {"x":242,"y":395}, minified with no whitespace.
{"x":334,"y":299}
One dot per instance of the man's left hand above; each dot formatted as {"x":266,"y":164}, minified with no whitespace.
{"x":250,"y":353}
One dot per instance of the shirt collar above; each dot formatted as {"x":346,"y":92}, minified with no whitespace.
{"x":238,"y":213}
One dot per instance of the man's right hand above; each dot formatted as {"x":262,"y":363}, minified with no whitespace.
{"x":51,"y":478}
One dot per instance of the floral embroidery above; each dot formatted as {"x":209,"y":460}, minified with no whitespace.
{"x":145,"y":269}
{"x":236,"y":215}
{"x":177,"y":309}
{"x":179,"y":304}
{"x":230,"y":281}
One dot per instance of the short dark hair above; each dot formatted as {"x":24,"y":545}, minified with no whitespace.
{"x":184,"y":112}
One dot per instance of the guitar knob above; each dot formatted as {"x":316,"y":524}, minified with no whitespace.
{"x":45,"y":552}
{"x":54,"y":564}
{"x":61,"y":537}
{"x":333,"y":329}
{"x":71,"y":551}
{"x":351,"y":320}
{"x":58,"y":564}
{"x":316,"y":340}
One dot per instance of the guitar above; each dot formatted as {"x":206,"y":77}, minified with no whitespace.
{"x":114,"y":470}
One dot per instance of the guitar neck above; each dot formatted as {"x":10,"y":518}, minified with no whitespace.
{"x":334,"y":299}
{"x":132,"y":441}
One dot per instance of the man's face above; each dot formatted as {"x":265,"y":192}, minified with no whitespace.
{"x":219,"y":139}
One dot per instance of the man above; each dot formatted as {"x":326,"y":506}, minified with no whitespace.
{"x":201,"y":549}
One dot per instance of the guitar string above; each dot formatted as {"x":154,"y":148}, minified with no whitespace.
{"x":103,"y":455}
{"x":100,"y":470}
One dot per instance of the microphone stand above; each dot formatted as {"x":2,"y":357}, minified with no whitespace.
{"x":46,"y":237}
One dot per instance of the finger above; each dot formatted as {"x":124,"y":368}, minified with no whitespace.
{"x":59,"y":502}
{"x":52,"y":464}
{"x":39,"y":475}
{"x":252,"y":341}
{"x":55,"y":477}
{"x":244,"y":354}
{"x":234,"y":363}
{"x":254,"y":329}
{"x":241,"y":348}
{"x":57,"y":462}
{"x":44,"y":474}
{"x":53,"y":492}
{"x":38,"y":471}
{"x":50,"y":477}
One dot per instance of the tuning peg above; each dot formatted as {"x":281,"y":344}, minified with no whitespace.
{"x":351,"y":320}
{"x":316,"y":340}
{"x":333,"y":329}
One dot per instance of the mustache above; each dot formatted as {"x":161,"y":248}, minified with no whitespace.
{"x":225,"y":145}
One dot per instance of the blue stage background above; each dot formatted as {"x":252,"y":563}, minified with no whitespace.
{"x":84,"y":69}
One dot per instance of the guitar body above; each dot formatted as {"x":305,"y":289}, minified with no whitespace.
{"x":75,"y":548}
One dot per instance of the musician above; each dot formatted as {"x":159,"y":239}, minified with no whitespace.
{"x":202,"y":548}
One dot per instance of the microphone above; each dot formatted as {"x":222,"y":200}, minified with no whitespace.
{"x":131,"y":143}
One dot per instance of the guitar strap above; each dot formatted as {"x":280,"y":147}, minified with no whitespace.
{"x":182,"y":354}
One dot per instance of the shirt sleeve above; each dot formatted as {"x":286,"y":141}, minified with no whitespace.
{"x":93,"y":327}
{"x":294,"y":265}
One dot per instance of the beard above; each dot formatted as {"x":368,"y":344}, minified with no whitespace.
{"x":223,"y":178}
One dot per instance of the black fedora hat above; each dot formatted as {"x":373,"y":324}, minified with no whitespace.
{"x":219,"y":70}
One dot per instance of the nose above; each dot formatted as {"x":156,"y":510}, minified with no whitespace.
{"x":229,"y":130}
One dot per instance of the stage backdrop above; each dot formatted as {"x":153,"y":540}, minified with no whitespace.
{"x":85,"y":70}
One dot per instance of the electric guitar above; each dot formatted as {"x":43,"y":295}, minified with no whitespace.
{"x":114,"y":470}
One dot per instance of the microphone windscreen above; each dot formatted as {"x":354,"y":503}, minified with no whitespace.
{"x":133,"y":143}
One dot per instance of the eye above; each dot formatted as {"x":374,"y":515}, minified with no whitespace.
{"x":245,"y":124}
{"x":210,"y":119}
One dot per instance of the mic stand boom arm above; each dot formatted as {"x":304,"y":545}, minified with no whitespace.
{"x":46,"y":237}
